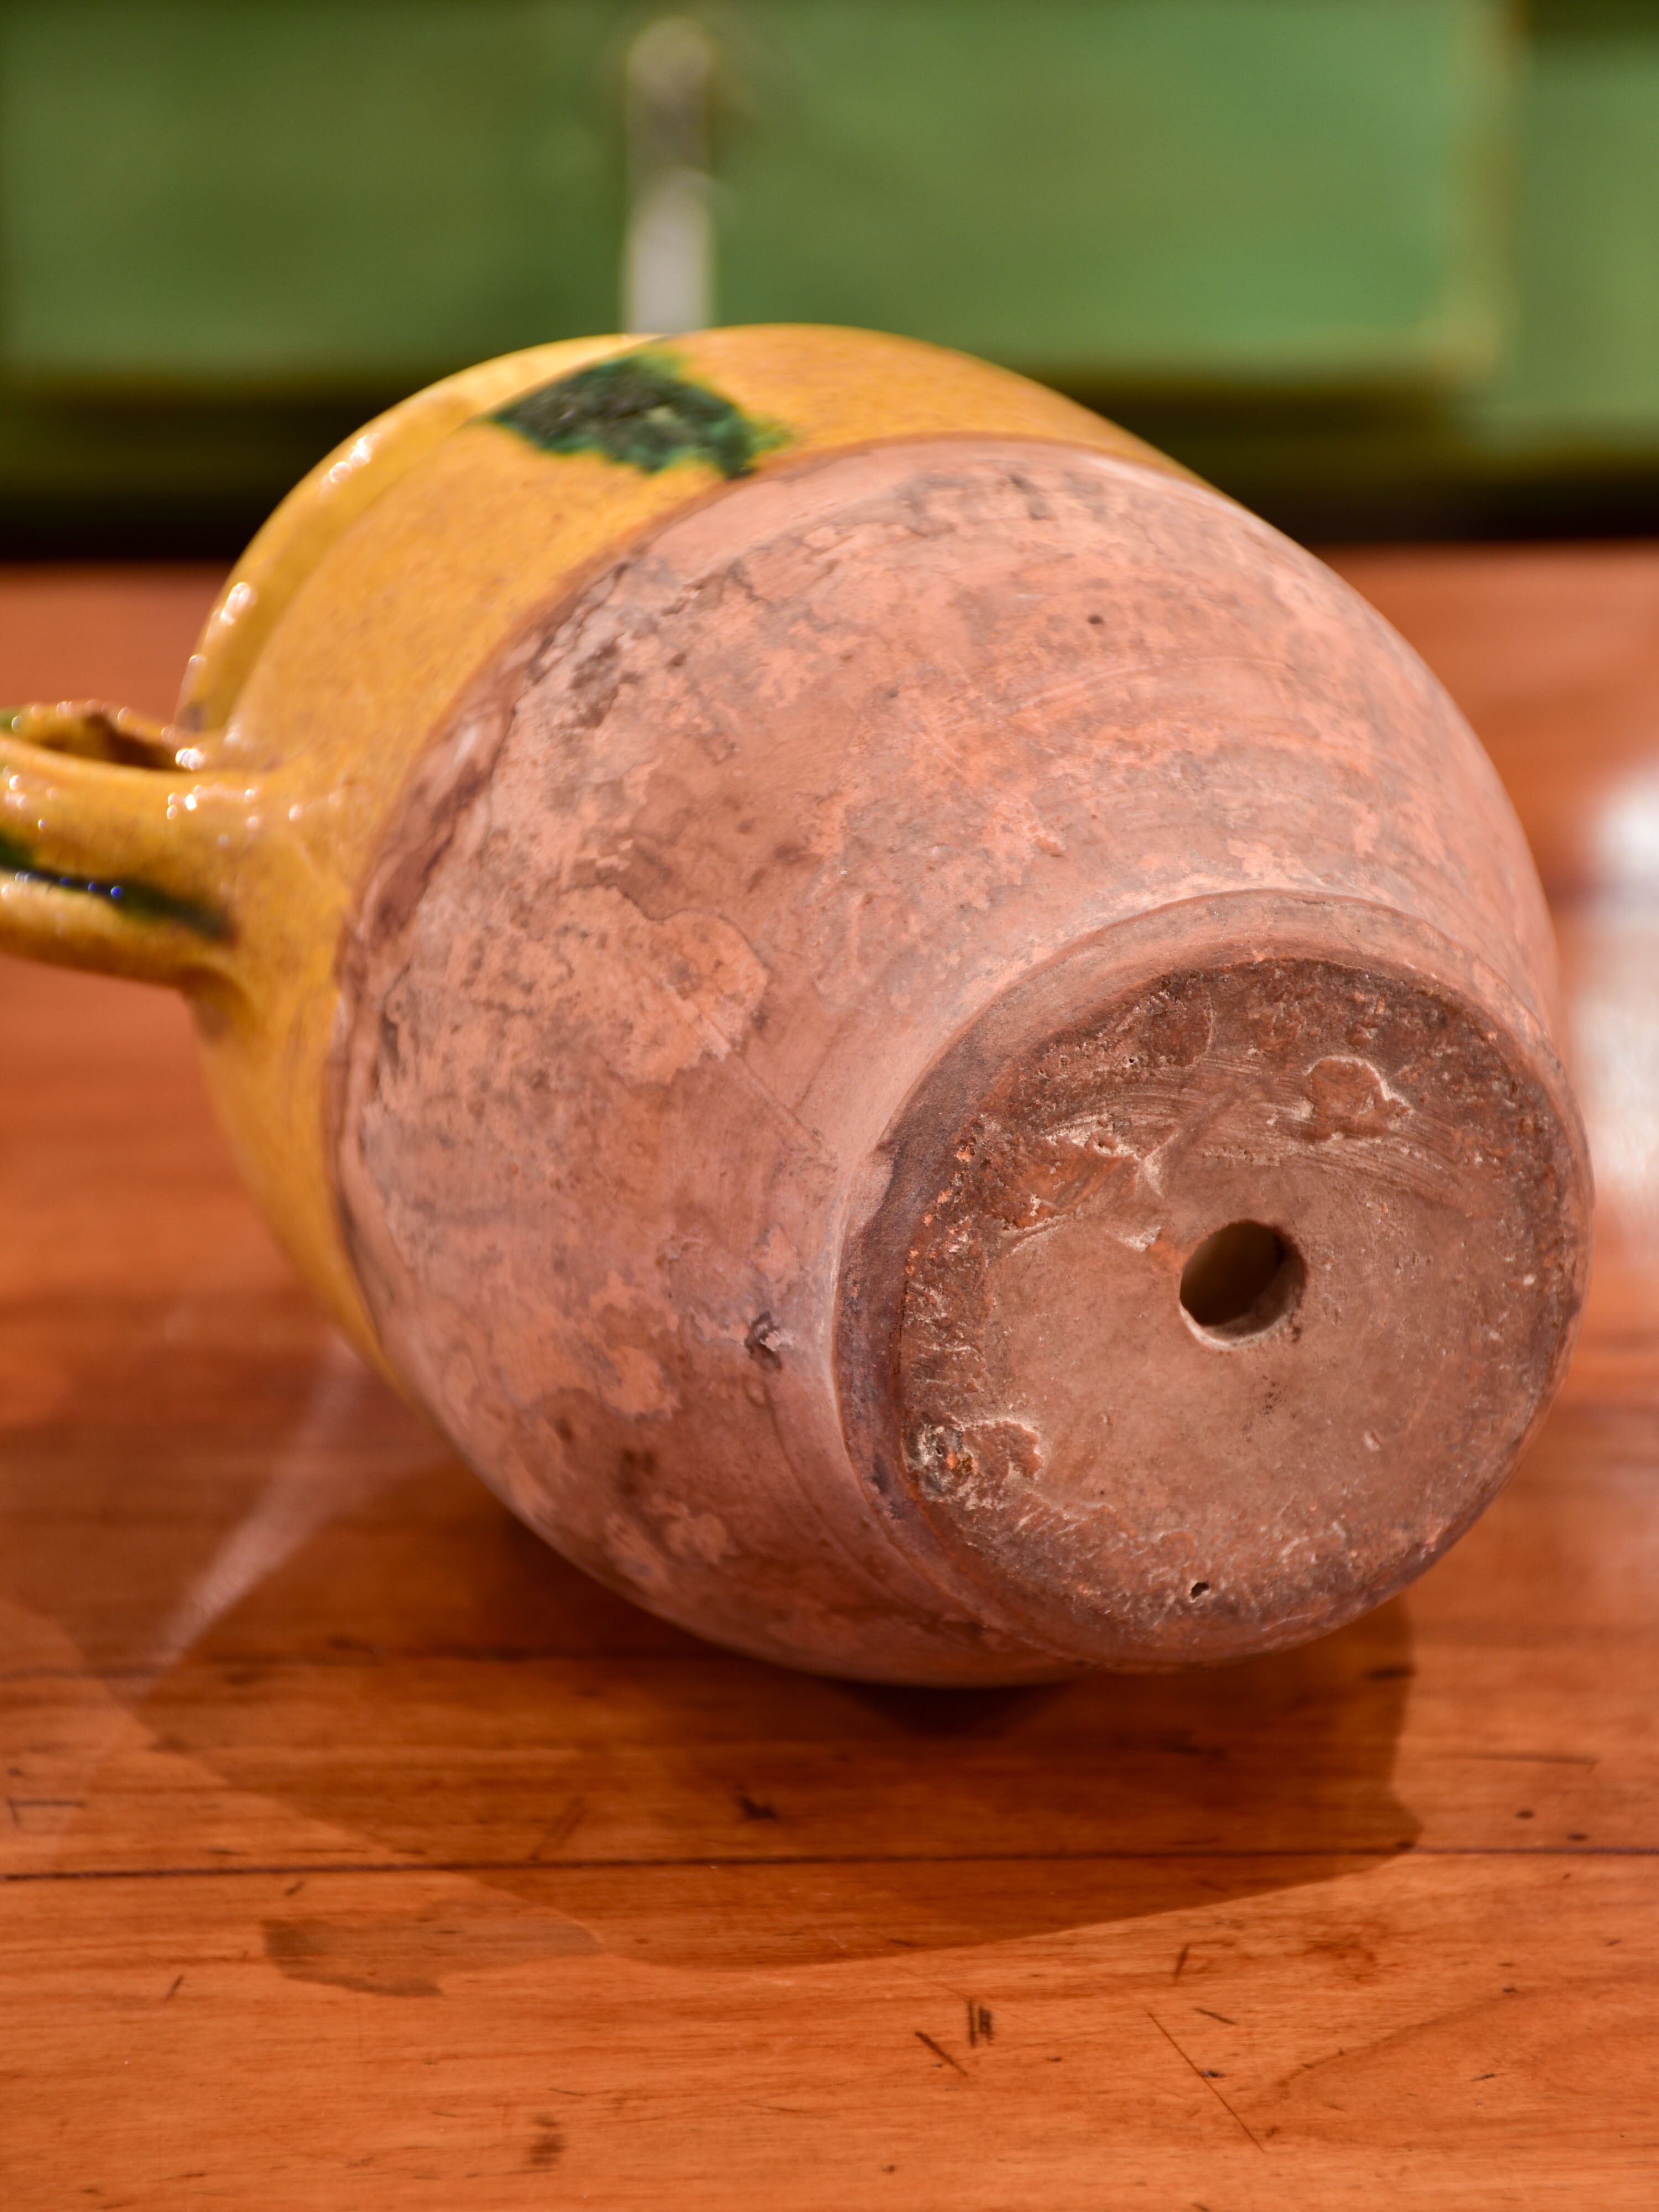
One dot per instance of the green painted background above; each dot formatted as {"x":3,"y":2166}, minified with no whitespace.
{"x":273,"y":194}
{"x":1363,"y":257}
{"x":1156,"y":191}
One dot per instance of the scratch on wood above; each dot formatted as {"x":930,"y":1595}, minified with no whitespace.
{"x":1538,"y":1757}
{"x":980,"y":2027}
{"x":547,"y":2144}
{"x":939,"y":2051}
{"x":21,"y":1806}
{"x":173,"y":1992}
{"x":1221,"y":2016}
{"x":560,"y":1830}
{"x":1208,"y":2084}
{"x":1181,"y":1962}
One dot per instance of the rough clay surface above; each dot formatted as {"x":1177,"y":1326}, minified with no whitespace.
{"x":1275,"y":1481}
{"x":728,"y":851}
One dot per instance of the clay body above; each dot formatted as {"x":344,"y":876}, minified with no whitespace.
{"x":936,"y":1056}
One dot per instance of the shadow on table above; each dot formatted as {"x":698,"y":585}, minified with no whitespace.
{"x":499,"y":1715}
{"x":414,"y":1681}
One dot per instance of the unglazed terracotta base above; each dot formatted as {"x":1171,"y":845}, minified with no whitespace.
{"x":930,"y":1047}
{"x":841,"y":962}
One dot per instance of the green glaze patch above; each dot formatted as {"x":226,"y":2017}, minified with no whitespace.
{"x":127,"y":895}
{"x":637,"y":409}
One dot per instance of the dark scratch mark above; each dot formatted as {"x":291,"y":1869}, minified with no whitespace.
{"x":177,"y":1980}
{"x":21,"y":1805}
{"x":547,"y":2144}
{"x":1537,"y":1758}
{"x":1207,"y":2082}
{"x":753,"y":1808}
{"x":940,"y":2051}
{"x":980,"y":2025}
{"x":1181,"y":1962}
{"x":266,"y":1869}
{"x":1221,"y":2016}
{"x":561,"y":1830}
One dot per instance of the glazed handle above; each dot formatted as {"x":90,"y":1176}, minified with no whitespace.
{"x":117,"y":852}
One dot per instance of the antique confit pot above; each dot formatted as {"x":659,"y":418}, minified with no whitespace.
{"x":930,"y":1047}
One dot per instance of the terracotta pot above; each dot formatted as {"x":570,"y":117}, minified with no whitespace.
{"x":930,"y":1047}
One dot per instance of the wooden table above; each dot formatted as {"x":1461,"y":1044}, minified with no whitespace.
{"x":359,"y":1853}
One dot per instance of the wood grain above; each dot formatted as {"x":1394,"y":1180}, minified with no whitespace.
{"x":357,"y":1851}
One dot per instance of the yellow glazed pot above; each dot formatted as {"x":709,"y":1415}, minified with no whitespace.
{"x":929,"y":1046}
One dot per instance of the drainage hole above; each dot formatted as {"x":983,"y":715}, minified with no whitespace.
{"x":1241,"y":1281}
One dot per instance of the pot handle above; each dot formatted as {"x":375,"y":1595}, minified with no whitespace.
{"x":118,"y":852}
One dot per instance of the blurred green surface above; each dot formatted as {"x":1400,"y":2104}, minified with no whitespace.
{"x":1197,"y":192}
{"x":1564,"y":435}
{"x":1372,"y":265}
{"x":1583,"y":365}
{"x":273,"y":195}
